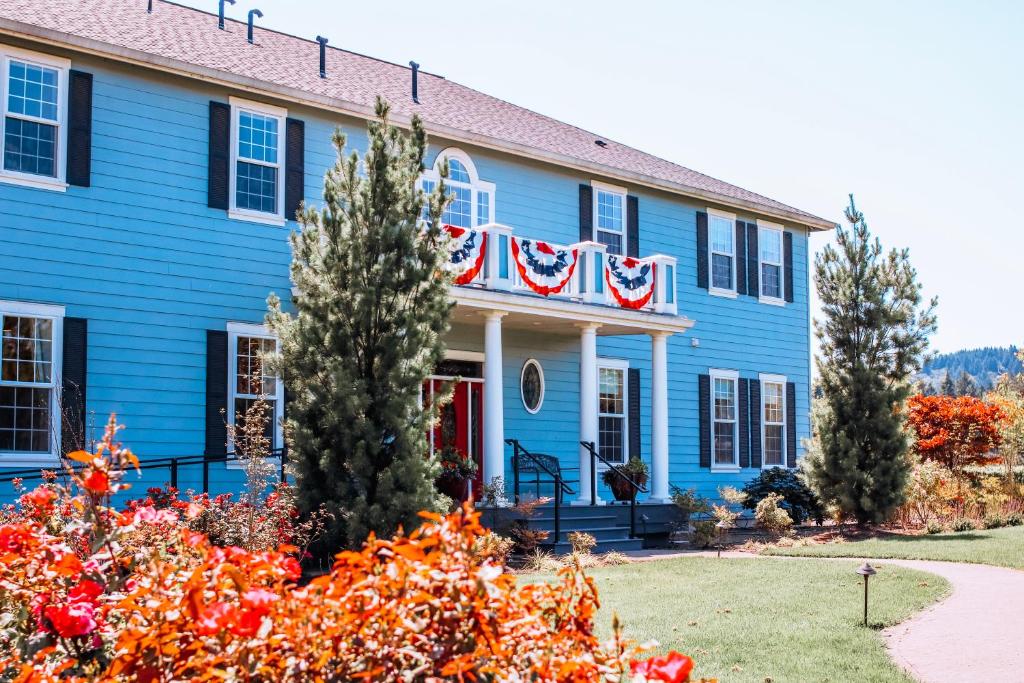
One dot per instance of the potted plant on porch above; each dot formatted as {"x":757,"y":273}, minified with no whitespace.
{"x":457,"y":469}
{"x":635,"y":469}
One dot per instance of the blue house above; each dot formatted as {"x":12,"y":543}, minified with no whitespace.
{"x":153,"y":160}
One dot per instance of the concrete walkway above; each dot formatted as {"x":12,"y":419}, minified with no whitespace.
{"x":972,"y":635}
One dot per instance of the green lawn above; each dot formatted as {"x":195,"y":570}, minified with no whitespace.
{"x":1002,"y":547}
{"x":757,"y":620}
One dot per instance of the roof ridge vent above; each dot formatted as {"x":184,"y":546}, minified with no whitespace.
{"x":415,"y":82}
{"x":253,"y":12}
{"x":220,"y":12}
{"x":323,"y":56}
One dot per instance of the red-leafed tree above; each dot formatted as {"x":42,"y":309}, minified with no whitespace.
{"x":954,"y":430}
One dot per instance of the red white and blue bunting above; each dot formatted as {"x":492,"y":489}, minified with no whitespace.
{"x":630,"y":281}
{"x":466,"y":253}
{"x":545,"y":269}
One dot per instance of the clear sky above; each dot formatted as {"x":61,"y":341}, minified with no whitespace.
{"x":916,"y":107}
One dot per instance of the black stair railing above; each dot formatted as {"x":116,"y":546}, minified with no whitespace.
{"x":637,"y":488}
{"x":561,"y":487}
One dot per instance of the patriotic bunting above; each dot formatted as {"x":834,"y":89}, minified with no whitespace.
{"x":630,"y":281}
{"x":466,"y":257}
{"x":545,"y":269}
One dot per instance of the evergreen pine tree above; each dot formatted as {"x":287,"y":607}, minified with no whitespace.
{"x":948,"y":386}
{"x":965,"y":385}
{"x":872,"y":341}
{"x":371,"y":308}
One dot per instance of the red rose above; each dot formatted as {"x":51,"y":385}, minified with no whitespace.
{"x":73,"y":619}
{"x":85,"y":591}
{"x":671,"y":668}
{"x":97,"y":482}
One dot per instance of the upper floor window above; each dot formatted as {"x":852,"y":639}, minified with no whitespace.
{"x":769,"y":240}
{"x":773,"y":407}
{"x":251,"y":381}
{"x":724,"y":422}
{"x":34,"y":123}
{"x":612,"y":400}
{"x":610,"y":217}
{"x":472,"y":200}
{"x":257,"y":150}
{"x":722,"y":248}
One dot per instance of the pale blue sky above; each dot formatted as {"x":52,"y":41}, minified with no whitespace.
{"x":916,"y":107}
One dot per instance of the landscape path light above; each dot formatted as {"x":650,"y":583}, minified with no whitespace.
{"x":722,"y":528}
{"x":867,"y":571}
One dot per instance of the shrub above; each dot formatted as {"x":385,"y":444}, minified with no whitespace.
{"x":934,"y":527}
{"x":704,"y":533}
{"x":797,"y":499}
{"x":963,"y":524}
{"x":771,"y":517}
{"x":994,"y":521}
{"x":929,"y":491}
{"x":1015,"y":519}
{"x":581,"y":542}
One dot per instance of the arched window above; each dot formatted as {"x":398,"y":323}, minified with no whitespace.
{"x":472,"y":199}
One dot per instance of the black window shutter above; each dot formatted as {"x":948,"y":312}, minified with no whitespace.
{"x":704,"y":405}
{"x":755,"y":423}
{"x":753,"y":286}
{"x":633,"y":377}
{"x":787,"y":256}
{"x":216,"y":392}
{"x":295,"y":167}
{"x":632,"y":226}
{"x":79,"y":162}
{"x":219,"y":155}
{"x":741,"y":257}
{"x":744,"y":425}
{"x":702,"y":250}
{"x":790,"y":424}
{"x":586,"y":213}
{"x":74,"y":375}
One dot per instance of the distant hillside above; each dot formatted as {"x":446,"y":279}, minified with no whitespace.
{"x":983,"y":365}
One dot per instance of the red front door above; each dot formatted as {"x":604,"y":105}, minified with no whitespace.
{"x":460,"y":422}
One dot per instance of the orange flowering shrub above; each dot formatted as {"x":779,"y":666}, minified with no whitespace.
{"x":954,"y":430}
{"x":89,"y":593}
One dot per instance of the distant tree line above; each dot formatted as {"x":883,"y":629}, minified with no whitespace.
{"x":969,"y":372}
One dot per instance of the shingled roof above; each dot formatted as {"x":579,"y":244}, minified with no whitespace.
{"x":187,"y":41}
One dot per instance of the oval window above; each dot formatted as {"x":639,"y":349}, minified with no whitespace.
{"x":531,"y":385}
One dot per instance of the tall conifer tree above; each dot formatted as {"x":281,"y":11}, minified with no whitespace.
{"x":873,"y":338}
{"x":371,"y":307}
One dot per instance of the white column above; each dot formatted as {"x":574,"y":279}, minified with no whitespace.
{"x":588,"y":406}
{"x":659,"y":417}
{"x":494,"y":409}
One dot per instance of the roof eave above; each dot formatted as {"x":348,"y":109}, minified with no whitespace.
{"x":180,"y":68}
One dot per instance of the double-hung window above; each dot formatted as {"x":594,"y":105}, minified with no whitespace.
{"x":250,"y":380}
{"x":610,"y":217}
{"x":612,"y":400}
{"x":769,"y":240}
{"x":773,"y":420}
{"x":34,"y":122}
{"x":472,"y":199}
{"x":722,"y":252}
{"x":30,"y":370}
{"x":257,"y":160}
{"x":724,"y":419}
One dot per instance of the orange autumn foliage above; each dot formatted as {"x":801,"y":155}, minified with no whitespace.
{"x":954,"y":430}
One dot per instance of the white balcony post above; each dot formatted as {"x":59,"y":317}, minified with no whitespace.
{"x":665,"y":284}
{"x":588,"y":407}
{"x":499,"y":255}
{"x":590,"y":272}
{"x":659,"y":417}
{"x":494,"y":410}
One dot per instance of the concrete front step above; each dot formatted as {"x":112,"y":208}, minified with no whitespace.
{"x":620,"y":545}
{"x":572,"y":522}
{"x":608,"y":533}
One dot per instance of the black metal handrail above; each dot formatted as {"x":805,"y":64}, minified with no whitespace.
{"x":171,"y":463}
{"x":637,"y":488}
{"x":560,"y":484}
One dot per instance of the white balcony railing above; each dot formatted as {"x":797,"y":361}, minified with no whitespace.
{"x":491,"y":257}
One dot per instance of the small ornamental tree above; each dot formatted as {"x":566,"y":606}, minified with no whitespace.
{"x":873,"y":337}
{"x":371,"y":309}
{"x":954,"y":431}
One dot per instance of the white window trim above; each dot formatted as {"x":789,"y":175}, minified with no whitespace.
{"x":734,"y":375}
{"x":236,"y":330}
{"x":610,"y":189}
{"x":237,"y":105}
{"x":774,"y":379}
{"x":522,"y":373}
{"x":623,"y":365}
{"x":762,"y":227}
{"x":720,"y":291}
{"x":475,"y":184}
{"x":56,"y":314}
{"x":63,"y":67}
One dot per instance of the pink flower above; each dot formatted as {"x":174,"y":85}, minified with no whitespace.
{"x":72,"y":619}
{"x":671,"y":668}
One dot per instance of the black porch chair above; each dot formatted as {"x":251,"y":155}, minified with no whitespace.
{"x":538,"y":471}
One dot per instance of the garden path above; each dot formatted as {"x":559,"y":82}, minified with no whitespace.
{"x":972,"y":635}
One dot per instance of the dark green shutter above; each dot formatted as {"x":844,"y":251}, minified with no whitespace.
{"x":753,"y":267}
{"x":219,"y":155}
{"x":79,"y":161}
{"x":704,"y":406}
{"x":755,"y":423}
{"x":586,"y":213}
{"x":633,"y":377}
{"x":295,"y":167}
{"x":787,"y":251}
{"x":741,"y":257}
{"x":744,"y":427}
{"x":790,"y":424}
{"x":633,"y":226}
{"x":216,"y":392}
{"x":702,"y":250}
{"x":74,"y":376}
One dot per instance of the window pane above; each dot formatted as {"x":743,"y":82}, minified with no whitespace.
{"x":611,"y":438}
{"x":242,"y":406}
{"x":609,"y":211}
{"x":256,"y":187}
{"x":457,"y":172}
{"x":770,"y":242}
{"x":724,"y":443}
{"x":721,"y":271}
{"x":32,"y":91}
{"x":257,"y":137}
{"x":722,"y":236}
{"x":30,"y":147}
{"x":459,"y":211}
{"x":252,"y":378}
{"x":773,"y":446}
{"x":483,"y":208}
{"x":771,"y":282}
{"x":24,"y":419}
{"x":27,"y":350}
{"x":773,"y":403}
{"x":610,"y":398}
{"x":428,"y":187}
{"x":613,"y":240}
{"x":725,"y":400}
